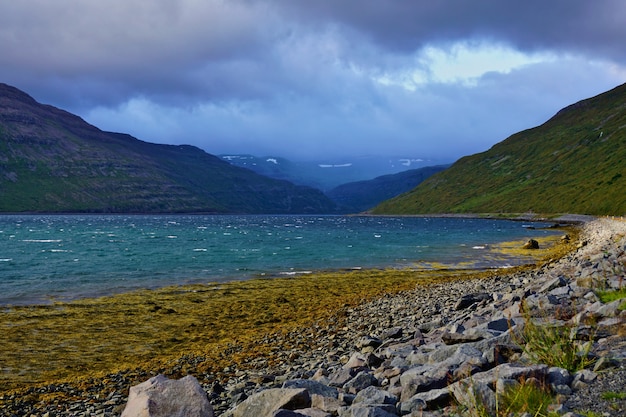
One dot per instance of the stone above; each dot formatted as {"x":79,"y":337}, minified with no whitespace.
{"x":413,"y":406}
{"x":265,"y":403}
{"x":313,"y":387}
{"x":286,"y":413}
{"x":470,"y":299}
{"x":361,"y":381}
{"x":373,"y":395}
{"x":368,"y":341}
{"x":370,"y":410}
{"x":531,"y":244}
{"x":434,"y":399}
{"x":501,"y":325}
{"x":457,"y":338}
{"x":552,"y":284}
{"x":341,"y":377}
{"x":559,"y":376}
{"x":312,"y":412}
{"x":357,"y":360}
{"x":327,"y":404}
{"x":392,"y":333}
{"x":474,"y":395}
{"x":162,"y":397}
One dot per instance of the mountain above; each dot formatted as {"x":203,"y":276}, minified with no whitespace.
{"x":326,"y":174}
{"x":359,"y":196}
{"x":573,"y":163}
{"x":53,"y":161}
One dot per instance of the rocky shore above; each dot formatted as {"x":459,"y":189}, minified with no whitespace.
{"x":443,"y":349}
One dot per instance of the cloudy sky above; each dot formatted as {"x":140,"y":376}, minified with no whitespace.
{"x":315,"y":79}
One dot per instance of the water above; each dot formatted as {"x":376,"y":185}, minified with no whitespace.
{"x":60,"y":257}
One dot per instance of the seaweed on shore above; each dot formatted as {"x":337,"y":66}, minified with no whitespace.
{"x":222,"y":324}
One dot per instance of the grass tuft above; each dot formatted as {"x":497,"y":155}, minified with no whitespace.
{"x":553,"y":344}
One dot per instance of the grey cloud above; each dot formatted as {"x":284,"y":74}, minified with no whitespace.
{"x":303,"y":78}
{"x":590,"y":27}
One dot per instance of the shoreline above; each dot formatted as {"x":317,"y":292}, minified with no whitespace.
{"x":308,"y":341}
{"x":487,"y":256}
{"x":290,"y":304}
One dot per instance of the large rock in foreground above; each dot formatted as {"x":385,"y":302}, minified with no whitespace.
{"x":162,"y":397}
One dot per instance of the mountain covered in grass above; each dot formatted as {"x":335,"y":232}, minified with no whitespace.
{"x":573,"y":163}
{"x":53,"y":161}
{"x":359,"y":196}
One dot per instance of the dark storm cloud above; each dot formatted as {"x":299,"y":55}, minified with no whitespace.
{"x":575,"y":26}
{"x":303,"y":79}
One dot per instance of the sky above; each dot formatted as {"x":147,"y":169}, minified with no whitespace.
{"x":318,"y":79}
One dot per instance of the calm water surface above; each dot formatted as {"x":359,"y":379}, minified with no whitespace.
{"x":58,"y":257}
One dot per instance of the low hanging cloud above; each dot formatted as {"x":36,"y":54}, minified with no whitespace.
{"x":314,"y":79}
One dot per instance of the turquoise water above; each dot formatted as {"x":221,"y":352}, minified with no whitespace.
{"x":59,"y":257}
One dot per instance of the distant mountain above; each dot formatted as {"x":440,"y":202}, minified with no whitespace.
{"x":573,"y":163}
{"x":53,"y":161}
{"x":326,"y":174}
{"x":356,"y":197}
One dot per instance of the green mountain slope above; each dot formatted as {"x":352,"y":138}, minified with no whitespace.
{"x":573,"y":163}
{"x":53,"y":161}
{"x":359,"y":196}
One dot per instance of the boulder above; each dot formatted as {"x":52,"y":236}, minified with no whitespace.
{"x":531,"y":244}
{"x":162,"y":397}
{"x":313,"y":387}
{"x":266,"y":403}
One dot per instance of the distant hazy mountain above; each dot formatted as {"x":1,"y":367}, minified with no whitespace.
{"x":573,"y":163}
{"x":326,"y":174}
{"x":53,"y":161}
{"x":360,"y":196}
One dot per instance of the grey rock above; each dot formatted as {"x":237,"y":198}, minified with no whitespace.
{"x":286,"y":413}
{"x":162,"y":397}
{"x":361,"y":381}
{"x":341,"y":377}
{"x":265,"y":403}
{"x":501,"y":325}
{"x":373,"y":395}
{"x":313,"y":387}
{"x":467,"y":300}
{"x":434,"y":399}
{"x":327,"y":404}
{"x":559,"y":376}
{"x":473,"y":395}
{"x":369,"y":410}
{"x":392,"y":333}
{"x":368,"y":341}
{"x":413,"y":405}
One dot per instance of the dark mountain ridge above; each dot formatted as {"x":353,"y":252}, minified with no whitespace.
{"x":573,"y":163}
{"x":53,"y":161}
{"x":360,"y":196}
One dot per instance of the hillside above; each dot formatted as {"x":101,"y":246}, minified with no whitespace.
{"x":573,"y":163}
{"x":359,"y":196}
{"x":53,"y":161}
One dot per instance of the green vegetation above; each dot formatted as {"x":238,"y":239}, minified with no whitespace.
{"x":614,"y":396}
{"x":573,"y":163}
{"x":527,"y":396}
{"x":553,"y":345}
{"x":609,"y":296}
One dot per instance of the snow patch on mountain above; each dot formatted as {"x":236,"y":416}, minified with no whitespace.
{"x":334,"y":165}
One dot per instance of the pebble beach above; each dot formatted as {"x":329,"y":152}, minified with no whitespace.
{"x":406,"y":352}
